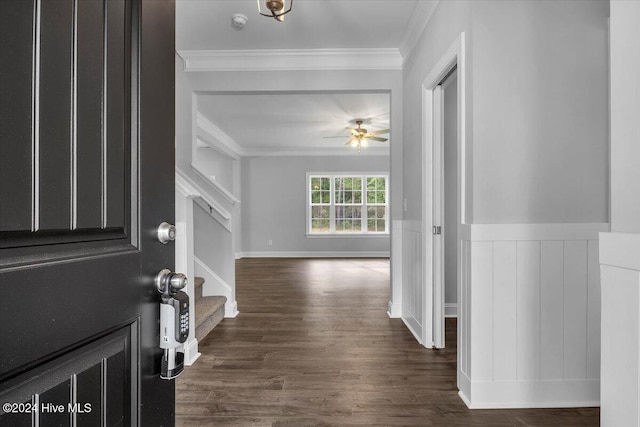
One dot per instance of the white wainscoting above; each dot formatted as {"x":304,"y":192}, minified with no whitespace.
{"x":412,"y":280}
{"x":530,"y":306}
{"x":395,"y":300}
{"x":215,"y":286}
{"x":620,"y":265}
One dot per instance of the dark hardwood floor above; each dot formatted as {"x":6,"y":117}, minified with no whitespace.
{"x":313,"y":346}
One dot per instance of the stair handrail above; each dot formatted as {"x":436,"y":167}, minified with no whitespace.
{"x":225,"y":193}
{"x":183,"y":181}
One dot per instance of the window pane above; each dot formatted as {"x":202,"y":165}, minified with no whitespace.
{"x":320,"y":212}
{"x":380,"y":197}
{"x":320,"y":226}
{"x":371,"y":183}
{"x":371,"y":196}
{"x":325,"y":196}
{"x":315,"y":183}
{"x":357,"y":197}
{"x":381,"y":224}
{"x":315,"y":197}
{"x":350,"y":226}
{"x":380,"y":183}
{"x":326,"y":184}
{"x":348,"y":218}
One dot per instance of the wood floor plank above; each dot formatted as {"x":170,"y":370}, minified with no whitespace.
{"x":314,"y":347}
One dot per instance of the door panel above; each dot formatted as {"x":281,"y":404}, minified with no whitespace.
{"x":16,"y":65}
{"x":86,"y":176}
{"x":157,"y":134}
{"x":90,"y":66}
{"x":90,"y":386}
{"x":55,"y":90}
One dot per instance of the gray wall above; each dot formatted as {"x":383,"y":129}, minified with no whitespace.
{"x":540,"y":111}
{"x":536,"y":92}
{"x":450,"y":112}
{"x":448,"y":20}
{"x":215,"y":163}
{"x":213,"y":245}
{"x":274,"y":202}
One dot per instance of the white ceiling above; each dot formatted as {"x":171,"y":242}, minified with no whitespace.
{"x":312,"y":24}
{"x":298,"y":121}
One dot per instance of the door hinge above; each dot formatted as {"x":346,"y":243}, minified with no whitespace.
{"x":437,"y":229}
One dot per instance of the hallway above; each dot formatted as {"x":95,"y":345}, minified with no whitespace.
{"x":313,"y":346}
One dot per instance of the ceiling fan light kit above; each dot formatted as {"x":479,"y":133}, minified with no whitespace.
{"x":277,"y":9}
{"x":360,"y":136}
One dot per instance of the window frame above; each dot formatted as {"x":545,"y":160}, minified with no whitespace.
{"x":332,"y":204}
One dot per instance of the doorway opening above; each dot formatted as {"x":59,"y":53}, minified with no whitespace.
{"x":445,"y":209}
{"x":444,"y":206}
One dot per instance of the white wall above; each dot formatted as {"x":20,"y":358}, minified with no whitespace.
{"x":274,"y":204}
{"x":620,"y":249}
{"x":625,"y":110}
{"x":536,"y":154}
{"x":530,"y":297}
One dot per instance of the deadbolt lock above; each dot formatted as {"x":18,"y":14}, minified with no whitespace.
{"x":166,"y":233}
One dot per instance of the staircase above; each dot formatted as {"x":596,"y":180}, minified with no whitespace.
{"x":209,"y":310}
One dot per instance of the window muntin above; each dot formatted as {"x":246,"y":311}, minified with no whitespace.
{"x":347,"y":204}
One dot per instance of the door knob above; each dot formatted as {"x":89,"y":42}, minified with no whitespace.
{"x":166,"y":233}
{"x":168,"y":282}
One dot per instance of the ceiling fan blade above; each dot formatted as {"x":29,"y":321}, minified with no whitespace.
{"x":378,"y":132}
{"x":375,"y":138}
{"x":354,"y":131}
{"x":349,"y":141}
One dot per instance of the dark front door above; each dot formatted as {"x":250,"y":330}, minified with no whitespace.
{"x":86,"y":176}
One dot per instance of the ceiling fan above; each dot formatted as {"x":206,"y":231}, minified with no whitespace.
{"x":360,"y":135}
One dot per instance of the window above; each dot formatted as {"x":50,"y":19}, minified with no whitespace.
{"x":347,"y":204}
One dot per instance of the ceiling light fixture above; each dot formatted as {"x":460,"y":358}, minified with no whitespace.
{"x":276,"y":7}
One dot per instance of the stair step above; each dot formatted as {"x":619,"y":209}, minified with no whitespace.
{"x":209,"y":312}
{"x":198,"y":282}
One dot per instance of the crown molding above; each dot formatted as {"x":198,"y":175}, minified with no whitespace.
{"x":292,"y":59}
{"x":418,"y":22}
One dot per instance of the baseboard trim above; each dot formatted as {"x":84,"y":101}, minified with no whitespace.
{"x":316,"y":254}
{"x":533,"y":394}
{"x":191,"y":352}
{"x":412,"y":330}
{"x":450,"y":310}
{"x":231,"y":310}
{"x":394,"y":311}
